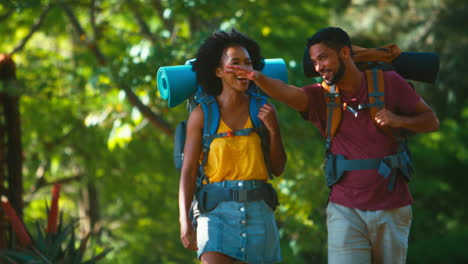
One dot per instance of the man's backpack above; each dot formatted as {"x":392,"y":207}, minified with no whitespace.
{"x":419,"y":66}
{"x":376,"y":94}
{"x":416,"y":66}
{"x":337,"y":165}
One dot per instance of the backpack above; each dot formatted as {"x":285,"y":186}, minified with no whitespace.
{"x":376,"y":94}
{"x":417,"y":66}
{"x":177,"y":84}
{"x":336,"y":165}
{"x":208,"y":196}
{"x":211,"y":123}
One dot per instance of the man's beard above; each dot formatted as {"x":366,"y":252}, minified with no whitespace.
{"x":338,"y":75}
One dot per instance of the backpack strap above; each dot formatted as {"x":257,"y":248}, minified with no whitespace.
{"x":211,"y":118}
{"x":210,"y":195}
{"x":211,"y":121}
{"x":376,"y":90}
{"x":334,"y":112}
{"x":256,"y":102}
{"x":336,"y":165}
{"x":376,"y":95}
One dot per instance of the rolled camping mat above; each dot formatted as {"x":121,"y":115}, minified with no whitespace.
{"x":417,"y":66}
{"x":177,"y":83}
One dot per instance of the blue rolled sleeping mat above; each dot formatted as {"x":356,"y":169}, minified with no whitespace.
{"x":416,"y":66}
{"x":178,"y":83}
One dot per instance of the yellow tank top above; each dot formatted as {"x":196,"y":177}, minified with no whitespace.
{"x":236,"y":158}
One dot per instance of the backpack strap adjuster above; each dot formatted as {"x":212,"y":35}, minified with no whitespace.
{"x":242,"y":195}
{"x":229,"y":133}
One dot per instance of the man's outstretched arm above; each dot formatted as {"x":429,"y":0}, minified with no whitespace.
{"x":291,"y":95}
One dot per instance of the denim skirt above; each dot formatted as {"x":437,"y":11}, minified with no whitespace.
{"x":245,"y":231}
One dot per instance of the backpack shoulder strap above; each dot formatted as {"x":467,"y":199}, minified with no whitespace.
{"x":256,"y":102}
{"x":334,"y":111}
{"x":211,"y":117}
{"x":375,"y":91}
{"x":376,"y":94}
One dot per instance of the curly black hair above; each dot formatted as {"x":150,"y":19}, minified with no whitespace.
{"x":209,"y":57}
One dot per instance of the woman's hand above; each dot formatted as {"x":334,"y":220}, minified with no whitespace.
{"x":188,"y":236}
{"x":267,"y":114}
{"x":187,"y":184}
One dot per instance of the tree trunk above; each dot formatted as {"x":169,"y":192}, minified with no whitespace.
{"x":3,"y":220}
{"x":94,"y":209}
{"x":90,"y":211}
{"x":12,"y":134}
{"x":14,"y":152}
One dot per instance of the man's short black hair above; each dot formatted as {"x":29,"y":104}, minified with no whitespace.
{"x":333,"y":37}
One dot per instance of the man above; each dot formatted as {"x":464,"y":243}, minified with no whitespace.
{"x":368,"y":215}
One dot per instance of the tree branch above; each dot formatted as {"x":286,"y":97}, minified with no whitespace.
{"x":7,"y":14}
{"x":155,"y":119}
{"x":82,"y":35}
{"x":74,"y":20}
{"x":32,"y":193}
{"x":427,"y":28}
{"x":168,"y":23}
{"x":40,"y":177}
{"x":45,"y":165}
{"x":92,"y":18}
{"x":59,"y":140}
{"x":33,"y":29}
{"x":144,"y":28}
{"x":65,"y":180}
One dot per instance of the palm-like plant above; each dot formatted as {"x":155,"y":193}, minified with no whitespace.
{"x":54,"y":244}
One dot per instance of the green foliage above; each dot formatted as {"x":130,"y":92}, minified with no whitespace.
{"x":53,"y":247}
{"x":438,"y":190}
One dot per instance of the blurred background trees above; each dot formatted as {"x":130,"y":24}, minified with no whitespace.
{"x":90,"y":116}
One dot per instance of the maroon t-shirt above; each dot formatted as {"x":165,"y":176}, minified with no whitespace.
{"x":360,"y":138}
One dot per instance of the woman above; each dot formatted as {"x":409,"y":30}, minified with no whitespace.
{"x":234,"y":231}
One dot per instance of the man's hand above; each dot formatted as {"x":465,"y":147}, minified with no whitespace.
{"x":291,"y":95}
{"x":386,"y":117}
{"x":241,"y":72}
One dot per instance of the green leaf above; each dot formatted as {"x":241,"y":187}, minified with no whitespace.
{"x":39,"y":240}
{"x":19,"y":256}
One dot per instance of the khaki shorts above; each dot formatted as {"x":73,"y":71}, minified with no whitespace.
{"x":359,"y":236}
